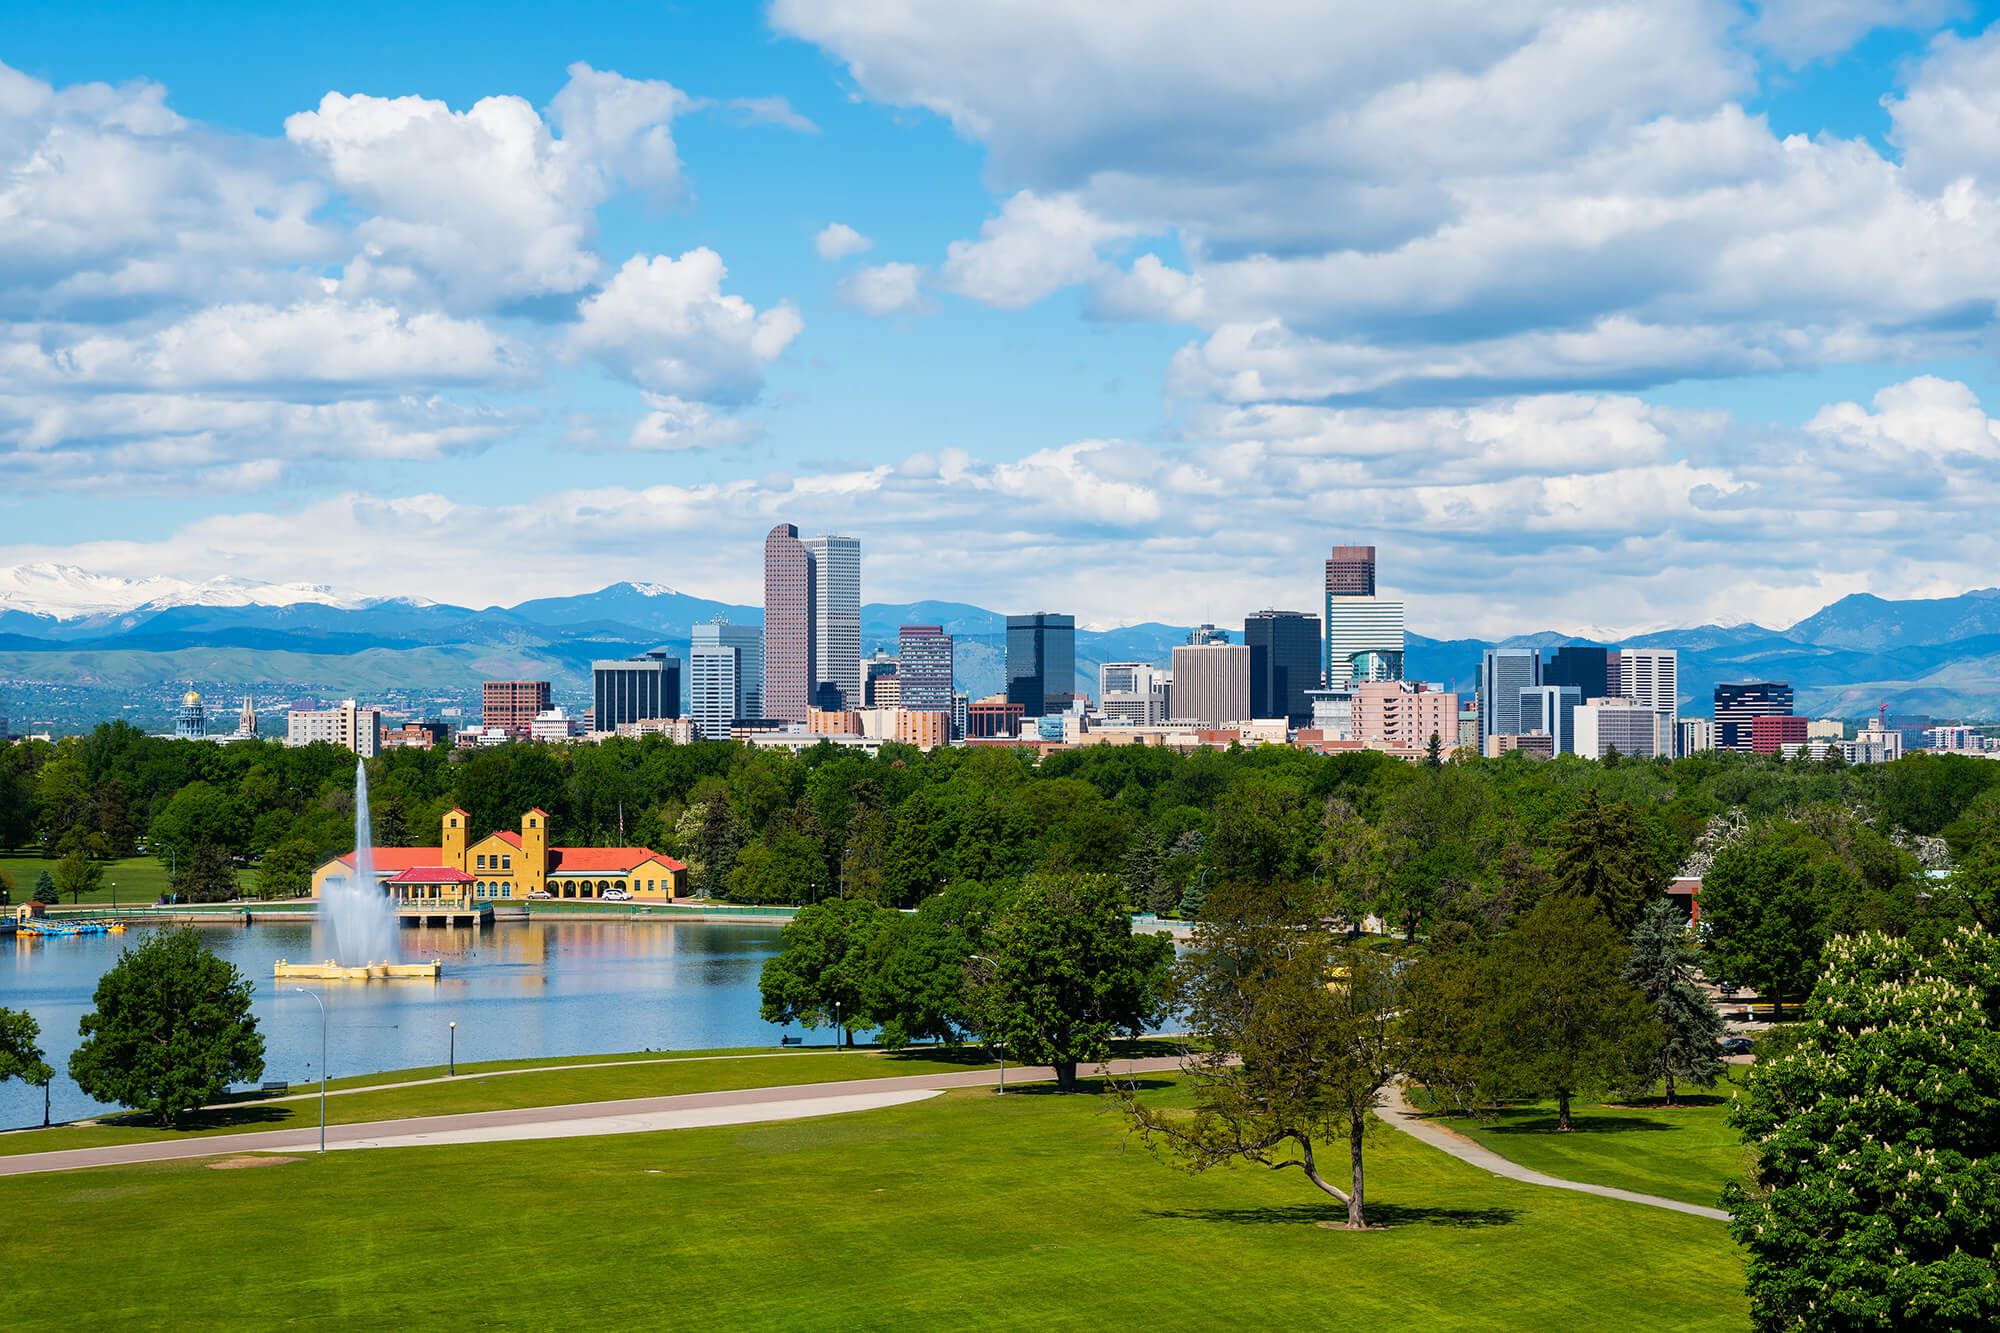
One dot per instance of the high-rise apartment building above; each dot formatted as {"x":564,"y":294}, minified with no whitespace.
{"x":1739,"y":703}
{"x":1616,"y":724}
{"x":725,"y":677}
{"x":1696,"y":736}
{"x":634,"y":689}
{"x":1401,"y":715}
{"x":1041,"y":662}
{"x":924,"y":667}
{"x":1212,"y":683}
{"x":1284,"y":663}
{"x":1551,"y":710}
{"x":1503,"y":674}
{"x":836,"y":616}
{"x":1650,"y":678}
{"x":512,"y":705}
{"x":350,"y":726}
{"x":788,"y":626}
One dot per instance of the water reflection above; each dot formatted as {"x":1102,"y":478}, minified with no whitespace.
{"x":544,"y":988}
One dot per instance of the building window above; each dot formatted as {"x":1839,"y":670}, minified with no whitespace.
{"x":507,"y":862}
{"x":482,"y":860}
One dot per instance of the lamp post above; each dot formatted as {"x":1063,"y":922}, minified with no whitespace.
{"x":322,"y":1062}
{"x":454,"y":1048}
{"x":996,"y":1050}
{"x":836,"y":1025}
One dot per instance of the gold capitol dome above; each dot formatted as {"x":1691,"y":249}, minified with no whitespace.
{"x":190,"y":699}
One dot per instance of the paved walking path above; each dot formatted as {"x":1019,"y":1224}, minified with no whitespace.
{"x":627,"y":1116}
{"x":1397,"y":1111}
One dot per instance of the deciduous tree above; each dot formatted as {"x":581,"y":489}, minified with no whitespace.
{"x":170,"y":1030}
{"x":824,"y":970}
{"x":21,"y":1054}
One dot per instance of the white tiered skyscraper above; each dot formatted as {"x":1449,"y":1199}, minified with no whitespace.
{"x":836,"y":610}
{"x":1650,"y":678}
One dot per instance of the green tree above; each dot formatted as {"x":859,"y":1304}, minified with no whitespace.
{"x":1768,"y":903}
{"x":1874,"y":1203}
{"x":77,"y":875}
{"x":1663,"y":968}
{"x":787,"y":866}
{"x":207,"y":875}
{"x":1296,"y":1039}
{"x":197,"y":814}
{"x":287,"y":869}
{"x":1562,"y":1022}
{"x":21,"y":1054}
{"x":170,"y":1030}
{"x":919,"y":988}
{"x":45,"y":889}
{"x":1604,"y":851}
{"x":1068,"y":974}
{"x":824,"y":970}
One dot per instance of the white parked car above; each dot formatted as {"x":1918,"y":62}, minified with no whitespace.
{"x":617,"y":895}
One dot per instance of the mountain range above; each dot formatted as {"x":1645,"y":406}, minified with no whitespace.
{"x":77,"y":646}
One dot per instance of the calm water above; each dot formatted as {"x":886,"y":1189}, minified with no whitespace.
{"x":516,"y":990}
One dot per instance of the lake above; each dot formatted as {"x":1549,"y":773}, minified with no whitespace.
{"x":515,"y":991}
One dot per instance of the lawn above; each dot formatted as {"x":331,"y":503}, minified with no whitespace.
{"x":1686,"y":1152}
{"x":480,"y":1088}
{"x":135,"y":879}
{"x":968,"y":1209}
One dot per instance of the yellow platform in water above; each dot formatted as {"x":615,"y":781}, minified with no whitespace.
{"x":332,"y":971}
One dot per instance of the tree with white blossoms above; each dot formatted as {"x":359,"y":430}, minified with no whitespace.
{"x":1876,"y":1195}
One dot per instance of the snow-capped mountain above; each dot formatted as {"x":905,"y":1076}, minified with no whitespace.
{"x":65,"y":592}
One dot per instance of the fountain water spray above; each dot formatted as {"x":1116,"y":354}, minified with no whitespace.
{"x":360,"y":922}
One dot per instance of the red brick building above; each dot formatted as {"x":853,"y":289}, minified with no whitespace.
{"x":511,"y":705}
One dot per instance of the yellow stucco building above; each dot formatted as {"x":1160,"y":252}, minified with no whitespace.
{"x":505,"y":865}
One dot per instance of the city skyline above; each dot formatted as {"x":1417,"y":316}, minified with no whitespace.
{"x":825,"y":266}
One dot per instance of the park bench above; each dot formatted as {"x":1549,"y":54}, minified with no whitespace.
{"x":275,"y":1087}
{"x":791,"y":1041}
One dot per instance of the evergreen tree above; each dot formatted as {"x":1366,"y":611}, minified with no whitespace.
{"x":1604,"y":852}
{"x":45,"y":889}
{"x":1662,"y":968}
{"x":206,"y":876}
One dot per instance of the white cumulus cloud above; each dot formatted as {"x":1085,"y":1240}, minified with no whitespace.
{"x":667,"y":325}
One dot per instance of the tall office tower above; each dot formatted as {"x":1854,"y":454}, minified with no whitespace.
{"x":725,"y":677}
{"x":634,"y":689}
{"x":961,"y":704}
{"x":1739,"y":703}
{"x":1041,"y":662}
{"x":1284,"y":663}
{"x":1593,"y":670}
{"x":1350,"y":572}
{"x":788,"y":626}
{"x":1650,"y":678}
{"x":1212,"y":683}
{"x":1206,"y":633}
{"x":511,"y":705}
{"x":1695,"y":735}
{"x":836,"y":576}
{"x":1551,"y":709}
{"x":1503,"y":674}
{"x":880,"y":687}
{"x":926,"y":669}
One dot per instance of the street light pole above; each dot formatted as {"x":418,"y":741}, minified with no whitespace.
{"x":454,"y":1048}
{"x":836,"y":1025}
{"x":996,"y":1050}
{"x":322,"y":1062}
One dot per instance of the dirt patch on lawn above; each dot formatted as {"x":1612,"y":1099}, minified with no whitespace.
{"x":245,"y":1163}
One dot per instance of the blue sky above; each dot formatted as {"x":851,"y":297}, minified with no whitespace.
{"x":1589,"y":316}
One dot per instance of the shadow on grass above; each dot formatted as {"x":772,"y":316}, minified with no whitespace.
{"x":1580,"y":1124}
{"x":1089,"y":1086}
{"x":1312,"y":1214}
{"x":1683,"y":1101}
{"x":231,"y":1117}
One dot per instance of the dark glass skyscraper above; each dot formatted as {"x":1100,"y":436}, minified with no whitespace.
{"x":1041,"y":662}
{"x":1593,"y":670}
{"x":635,"y":689}
{"x":1740,"y":703}
{"x":1284,"y":663}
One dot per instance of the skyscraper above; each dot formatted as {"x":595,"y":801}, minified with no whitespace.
{"x":926,"y":667}
{"x":1593,"y":670}
{"x":1364,"y":633}
{"x":788,"y":626}
{"x":1284,"y":663}
{"x":725,"y":677}
{"x":635,"y":689}
{"x":1650,"y":678}
{"x":1212,"y":683}
{"x":1041,"y":662}
{"x":1503,"y":674}
{"x":836,"y":611}
{"x":1550,"y":708}
{"x":511,"y":705}
{"x":1739,"y":703}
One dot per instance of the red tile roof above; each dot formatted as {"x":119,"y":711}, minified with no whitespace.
{"x":431,"y":875}
{"x":603,"y":860}
{"x":537,"y":810}
{"x":511,"y":839}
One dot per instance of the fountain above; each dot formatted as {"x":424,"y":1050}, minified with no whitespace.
{"x":360,"y":923}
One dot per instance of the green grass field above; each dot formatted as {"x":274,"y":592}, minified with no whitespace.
{"x":134,"y":879}
{"x":1686,"y":1152}
{"x":968,"y":1209}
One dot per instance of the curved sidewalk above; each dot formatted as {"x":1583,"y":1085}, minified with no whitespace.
{"x":1396,"y":1110}
{"x":627,"y":1116}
